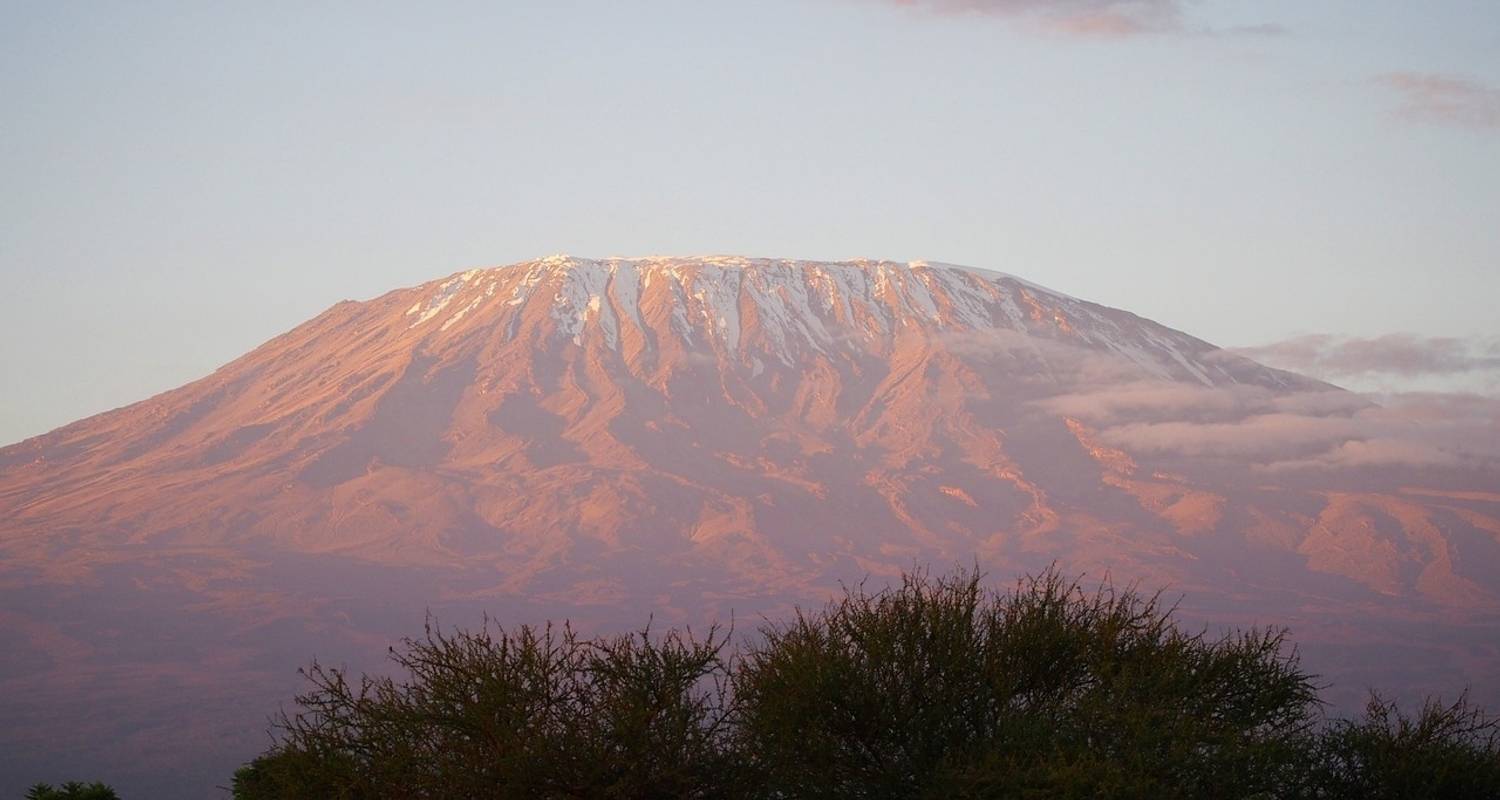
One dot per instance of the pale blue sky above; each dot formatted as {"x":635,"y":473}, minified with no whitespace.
{"x":183,"y":181}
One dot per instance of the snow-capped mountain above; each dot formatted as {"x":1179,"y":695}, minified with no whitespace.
{"x":689,"y":437}
{"x":747,"y":311}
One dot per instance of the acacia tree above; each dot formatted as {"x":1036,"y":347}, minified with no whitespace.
{"x":72,"y":790}
{"x":941,"y":688}
{"x":934,"y":688}
{"x":1445,"y":751}
{"x":535,"y":713}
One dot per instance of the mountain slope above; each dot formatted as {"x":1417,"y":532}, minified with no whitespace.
{"x":694,"y":436}
{"x":577,"y":366}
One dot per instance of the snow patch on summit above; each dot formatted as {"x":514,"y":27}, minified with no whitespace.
{"x":784,"y":310}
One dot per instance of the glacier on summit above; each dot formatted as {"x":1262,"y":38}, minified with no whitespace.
{"x":816,"y":306}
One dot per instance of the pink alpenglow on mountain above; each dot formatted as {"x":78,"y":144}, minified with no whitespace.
{"x":690,"y":438}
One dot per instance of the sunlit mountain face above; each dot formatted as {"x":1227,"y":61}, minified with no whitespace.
{"x":693,"y":439}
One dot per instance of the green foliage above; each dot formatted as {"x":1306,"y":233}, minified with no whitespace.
{"x":288,"y":772}
{"x":937,"y":688}
{"x":1447,"y":751}
{"x":529,"y":714}
{"x":72,"y":790}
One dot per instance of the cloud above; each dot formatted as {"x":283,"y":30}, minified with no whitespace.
{"x":1324,"y":431}
{"x":1370,"y":453}
{"x":1333,"y":401}
{"x":1280,"y":434}
{"x":1157,"y":399}
{"x":1102,"y":19}
{"x":1459,"y":422}
{"x":1396,"y":354}
{"x":1444,"y":99}
{"x":1252,"y":436}
{"x":1169,"y":401}
{"x":1412,"y":430}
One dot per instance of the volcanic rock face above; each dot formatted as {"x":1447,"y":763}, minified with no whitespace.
{"x":608,"y":439}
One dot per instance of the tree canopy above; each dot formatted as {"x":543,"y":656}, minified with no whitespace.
{"x":934,"y":688}
{"x":72,"y":790}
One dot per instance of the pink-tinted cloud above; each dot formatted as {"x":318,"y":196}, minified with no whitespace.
{"x":1265,"y":434}
{"x":1402,"y":354}
{"x":1458,"y":422}
{"x":1155,"y":400}
{"x":1334,"y":401}
{"x":1171,"y":401}
{"x":1273,"y":432}
{"x":1324,"y":432}
{"x":1369,"y":453}
{"x":1444,"y":99}
{"x":1108,"y":19}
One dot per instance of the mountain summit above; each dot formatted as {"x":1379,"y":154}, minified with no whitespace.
{"x":653,"y":407}
{"x":595,"y":438}
{"x":753,"y":310}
